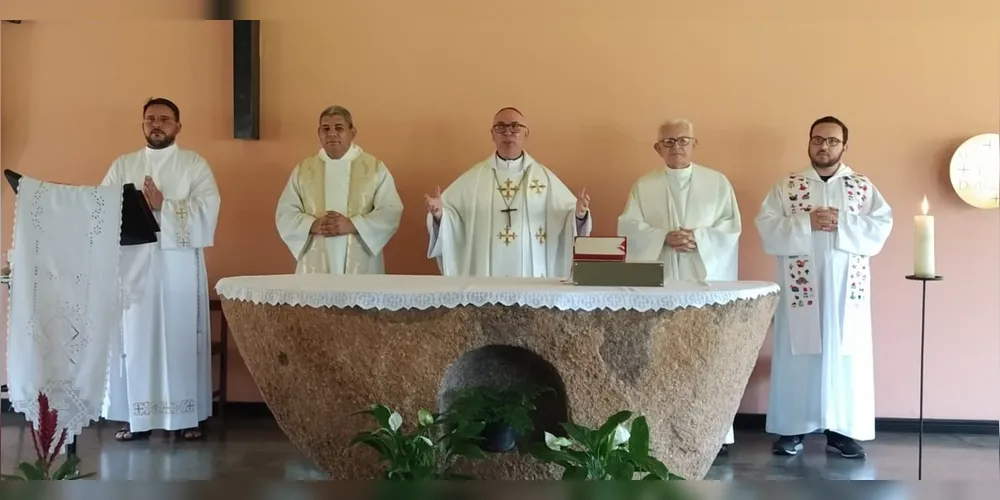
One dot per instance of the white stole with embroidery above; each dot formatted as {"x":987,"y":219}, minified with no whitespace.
{"x":802,"y":302}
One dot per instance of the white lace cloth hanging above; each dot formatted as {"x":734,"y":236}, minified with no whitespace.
{"x":397,"y":292}
{"x":65,"y":307}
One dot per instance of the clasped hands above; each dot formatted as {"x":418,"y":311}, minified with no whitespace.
{"x":824,"y":219}
{"x":682,"y":240}
{"x":332,"y":224}
{"x":152,"y":193}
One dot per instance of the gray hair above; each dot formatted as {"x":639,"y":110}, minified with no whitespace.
{"x":338,"y":111}
{"x":675,"y":122}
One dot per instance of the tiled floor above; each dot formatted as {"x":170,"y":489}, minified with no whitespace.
{"x":257,"y":449}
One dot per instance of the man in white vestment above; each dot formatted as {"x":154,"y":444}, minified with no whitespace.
{"x":161,"y":373}
{"x":340,"y":207}
{"x":822,"y":369}
{"x":684,"y":215}
{"x":508,"y":215}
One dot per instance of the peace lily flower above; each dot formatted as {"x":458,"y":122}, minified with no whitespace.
{"x":556,"y":443}
{"x":621,"y":436}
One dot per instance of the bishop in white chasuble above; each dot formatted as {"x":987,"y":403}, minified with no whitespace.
{"x":508,"y":215}
{"x":684,"y":215}
{"x":824,"y":224}
{"x":340,"y":207}
{"x":161,"y":373}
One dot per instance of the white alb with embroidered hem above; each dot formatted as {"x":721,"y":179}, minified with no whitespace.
{"x":161,"y":377}
{"x":65,"y":304}
{"x":401,"y":292}
{"x":822,"y":373}
{"x":475,"y":237}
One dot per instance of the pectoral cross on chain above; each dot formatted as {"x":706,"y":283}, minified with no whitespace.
{"x":507,"y":211}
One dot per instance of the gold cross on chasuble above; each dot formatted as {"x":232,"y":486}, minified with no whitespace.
{"x":537,"y":186}
{"x":507,"y":236}
{"x":540,"y":235}
{"x":508,"y":189}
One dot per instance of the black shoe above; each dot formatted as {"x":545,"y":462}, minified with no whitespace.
{"x":788,"y":446}
{"x":724,"y":451}
{"x":845,"y":446}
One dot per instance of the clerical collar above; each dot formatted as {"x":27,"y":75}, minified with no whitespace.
{"x":679,"y":172}
{"x":502,"y":163}
{"x":350,"y":155}
{"x":160,"y":154}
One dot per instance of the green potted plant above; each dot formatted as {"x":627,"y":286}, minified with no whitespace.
{"x":505,"y":413}
{"x":427,"y":453}
{"x":611,"y":452}
{"x":43,"y":437}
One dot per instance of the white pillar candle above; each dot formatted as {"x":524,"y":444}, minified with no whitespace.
{"x":923,"y":257}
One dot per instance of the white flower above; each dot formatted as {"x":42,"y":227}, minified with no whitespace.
{"x":395,"y":421}
{"x":556,"y":443}
{"x":426,"y":440}
{"x":621,"y":436}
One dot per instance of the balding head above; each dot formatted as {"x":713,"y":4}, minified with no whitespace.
{"x":509,"y":132}
{"x":675,"y":142}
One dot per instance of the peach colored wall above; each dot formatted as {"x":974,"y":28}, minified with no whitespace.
{"x":594,"y":90}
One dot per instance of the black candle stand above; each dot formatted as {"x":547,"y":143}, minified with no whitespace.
{"x":923,"y":323}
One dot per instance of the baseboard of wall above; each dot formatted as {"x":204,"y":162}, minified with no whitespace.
{"x":756,"y":422}
{"x":743,"y":422}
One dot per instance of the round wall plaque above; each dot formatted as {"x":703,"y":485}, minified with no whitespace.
{"x":975,"y":171}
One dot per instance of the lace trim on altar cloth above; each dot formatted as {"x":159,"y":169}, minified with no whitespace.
{"x":395,"y":292}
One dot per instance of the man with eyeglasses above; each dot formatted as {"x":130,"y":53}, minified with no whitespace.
{"x":823,"y":224}
{"x":161,"y":373}
{"x":340,"y":206}
{"x":684,"y":215}
{"x":508,"y":215}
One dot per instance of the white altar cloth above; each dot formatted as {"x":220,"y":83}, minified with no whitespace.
{"x":398,"y":292}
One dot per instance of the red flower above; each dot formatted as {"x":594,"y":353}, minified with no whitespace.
{"x":802,"y":187}
{"x":46,"y":431}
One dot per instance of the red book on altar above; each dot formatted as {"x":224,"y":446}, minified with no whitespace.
{"x":600,"y":248}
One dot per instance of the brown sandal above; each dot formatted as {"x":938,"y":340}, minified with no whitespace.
{"x":124,"y":434}
{"x":192,"y":434}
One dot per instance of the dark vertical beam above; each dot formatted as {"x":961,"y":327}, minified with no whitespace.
{"x":246,"y":80}
{"x":221,"y":10}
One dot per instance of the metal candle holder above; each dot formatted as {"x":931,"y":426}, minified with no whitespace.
{"x":923,"y":322}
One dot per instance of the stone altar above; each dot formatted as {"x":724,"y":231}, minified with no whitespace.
{"x":321,"y":347}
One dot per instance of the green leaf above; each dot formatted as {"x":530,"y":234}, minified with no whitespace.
{"x":382,"y":444}
{"x":470,"y":429}
{"x":381,"y":414}
{"x":613,"y":421}
{"x":469,"y":450}
{"x":674,"y":477}
{"x":69,"y":467}
{"x":623,"y":471}
{"x":582,"y":435}
{"x":31,"y":472}
{"x":82,"y":476}
{"x":638,"y":443}
{"x":654,"y":466}
{"x":574,"y":473}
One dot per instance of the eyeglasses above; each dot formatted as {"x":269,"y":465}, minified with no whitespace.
{"x":157,"y":120}
{"x":501,"y":127}
{"x":830,"y":141}
{"x":680,"y":141}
